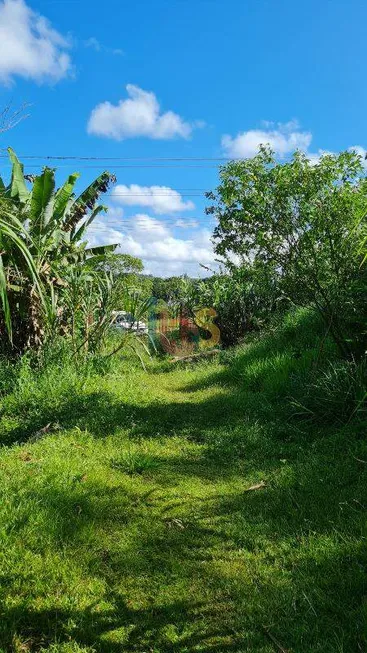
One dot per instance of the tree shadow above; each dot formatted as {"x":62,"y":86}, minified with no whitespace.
{"x":121,"y":629}
{"x":288,"y":555}
{"x":272,"y":556}
{"x":160,"y":546}
{"x":104,"y":414}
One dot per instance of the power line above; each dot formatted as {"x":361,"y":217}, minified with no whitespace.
{"x":141,"y":225}
{"x":128,"y":195}
{"x":172,"y":193}
{"x":141,"y":220}
{"x":153,"y":197}
{"x":161,"y":223}
{"x":175,"y":189}
{"x":124,"y":158}
{"x":158,"y":166}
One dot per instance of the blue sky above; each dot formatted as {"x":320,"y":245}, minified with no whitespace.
{"x":159,"y":79}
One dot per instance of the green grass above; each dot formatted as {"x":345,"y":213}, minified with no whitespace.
{"x":129,"y":523}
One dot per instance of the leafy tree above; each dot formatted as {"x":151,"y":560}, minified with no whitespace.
{"x":127,"y":272}
{"x":305,"y":221}
{"x":12,"y":238}
{"x":168,"y":290}
{"x":121,"y":264}
{"x":243,"y":298}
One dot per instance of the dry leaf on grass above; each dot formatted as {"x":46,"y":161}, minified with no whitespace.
{"x":258,"y":486}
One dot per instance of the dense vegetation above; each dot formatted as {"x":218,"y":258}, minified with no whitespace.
{"x":216,"y":505}
{"x":52,"y":284}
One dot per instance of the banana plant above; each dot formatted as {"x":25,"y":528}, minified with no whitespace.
{"x":56,"y":221}
{"x":43,"y":235}
{"x":12,"y":242}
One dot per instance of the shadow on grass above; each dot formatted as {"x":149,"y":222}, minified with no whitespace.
{"x":152,"y":629}
{"x":311,"y":599}
{"x":289,"y":556}
{"x":249,"y":386}
{"x":210,"y":572}
{"x":102,"y":413}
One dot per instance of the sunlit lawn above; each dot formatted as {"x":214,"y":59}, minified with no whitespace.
{"x":181,"y":510}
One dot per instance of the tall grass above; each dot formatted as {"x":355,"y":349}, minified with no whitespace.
{"x":295,"y":359}
{"x":292,"y":361}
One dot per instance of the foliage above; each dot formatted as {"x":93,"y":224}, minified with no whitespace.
{"x":335,"y":393}
{"x":121,"y":264}
{"x":307,"y":221}
{"x":44,"y":257}
{"x":135,"y":462}
{"x":125,"y":271}
{"x":141,"y":509}
{"x":244,"y":299}
{"x":12,"y":241}
{"x":169,"y":290}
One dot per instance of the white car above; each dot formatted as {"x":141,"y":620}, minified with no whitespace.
{"x":126,"y":322}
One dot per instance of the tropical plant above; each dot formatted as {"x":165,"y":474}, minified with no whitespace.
{"x":12,"y":239}
{"x":42,"y":236}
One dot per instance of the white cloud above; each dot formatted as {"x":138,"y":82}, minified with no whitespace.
{"x":359,"y":149}
{"x":94,"y":44}
{"x":283,"y":139}
{"x":161,"y":199}
{"x":154,"y":242}
{"x":148,"y":229}
{"x":315,"y":157}
{"x":115,"y":212}
{"x":138,"y":115}
{"x":186,"y":223}
{"x":30,"y":47}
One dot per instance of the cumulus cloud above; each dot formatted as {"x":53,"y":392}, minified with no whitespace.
{"x":115,"y":213}
{"x":138,"y":115}
{"x":30,"y":47}
{"x":282,"y":138}
{"x":161,"y":199}
{"x":154,"y":242}
{"x":359,"y":149}
{"x":314,"y":157}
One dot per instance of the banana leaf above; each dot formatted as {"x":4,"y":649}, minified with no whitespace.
{"x":76,"y":236}
{"x":63,"y":196}
{"x":101,"y":250}
{"x":41,"y":205}
{"x":18,"y":189}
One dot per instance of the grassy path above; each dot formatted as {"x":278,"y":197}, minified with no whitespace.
{"x":134,"y":526}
